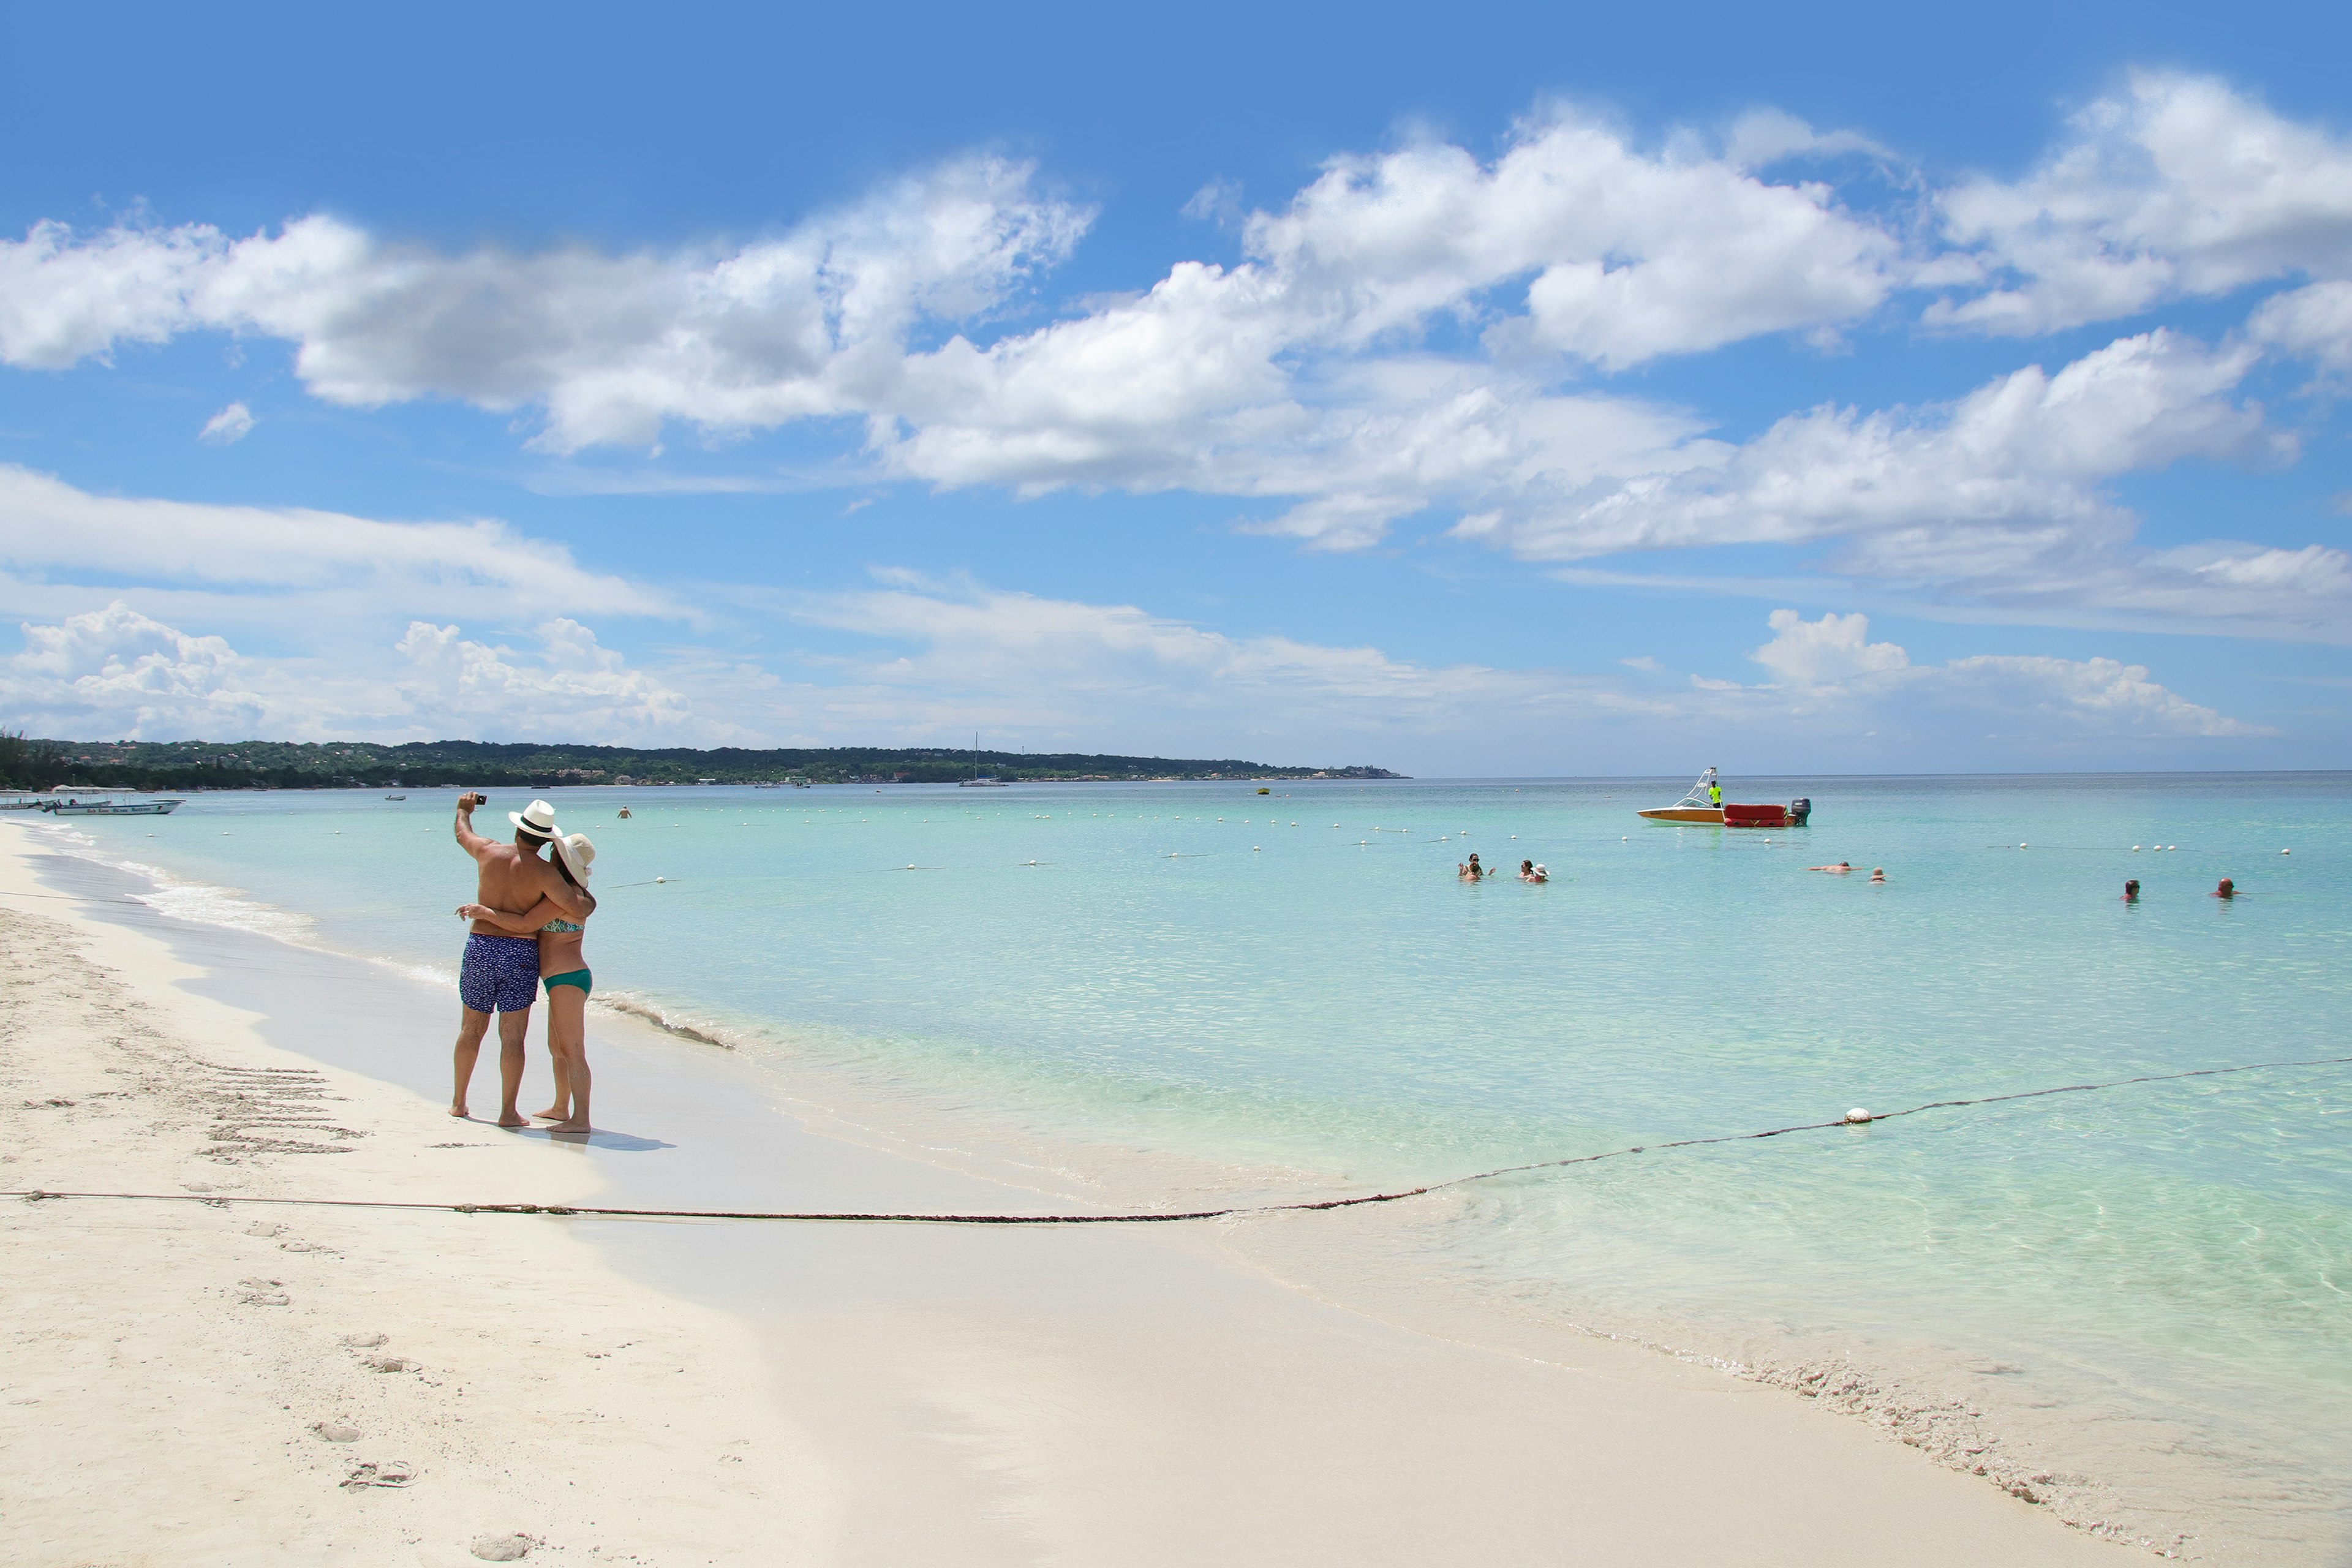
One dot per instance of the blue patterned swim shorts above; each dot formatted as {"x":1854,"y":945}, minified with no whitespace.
{"x":501,"y":973}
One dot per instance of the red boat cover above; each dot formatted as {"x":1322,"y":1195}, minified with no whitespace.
{"x":1755,"y":816}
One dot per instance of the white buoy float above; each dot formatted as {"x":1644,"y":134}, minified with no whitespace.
{"x":1857,"y":1117}
{"x":660,"y":880}
{"x":2021,"y":846}
{"x":1256,"y":850}
{"x":2135,"y":848}
{"x":2286,"y":851}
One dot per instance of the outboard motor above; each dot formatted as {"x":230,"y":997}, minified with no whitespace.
{"x":1799,"y":809}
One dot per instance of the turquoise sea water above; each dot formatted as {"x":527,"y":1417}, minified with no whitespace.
{"x":2141,"y":1293}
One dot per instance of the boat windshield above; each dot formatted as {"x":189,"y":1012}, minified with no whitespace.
{"x":1697,"y":794}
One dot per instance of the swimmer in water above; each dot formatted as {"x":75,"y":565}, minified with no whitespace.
{"x":2228,"y":889}
{"x":1540,"y":875}
{"x":1527,"y":870}
{"x":1839,"y":869}
{"x":1878,"y":874}
{"x":1473,"y":871}
{"x":2131,"y":891}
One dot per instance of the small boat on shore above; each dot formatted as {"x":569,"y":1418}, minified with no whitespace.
{"x":1703,"y":803}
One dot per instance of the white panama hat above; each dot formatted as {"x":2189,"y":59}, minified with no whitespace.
{"x":538,"y":817}
{"x":577,"y":855}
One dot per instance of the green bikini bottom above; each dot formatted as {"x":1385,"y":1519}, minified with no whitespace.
{"x":575,"y":977}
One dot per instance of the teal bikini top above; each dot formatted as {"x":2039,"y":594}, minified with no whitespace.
{"x":560,"y":928}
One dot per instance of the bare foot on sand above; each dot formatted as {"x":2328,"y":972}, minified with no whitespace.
{"x":459,"y":1110}
{"x":550,"y":1114}
{"x":512,"y":1122}
{"x":573,"y":1128}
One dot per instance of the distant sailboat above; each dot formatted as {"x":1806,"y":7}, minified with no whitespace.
{"x":979,"y":780}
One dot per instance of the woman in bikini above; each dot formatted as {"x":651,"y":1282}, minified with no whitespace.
{"x":563,"y":971}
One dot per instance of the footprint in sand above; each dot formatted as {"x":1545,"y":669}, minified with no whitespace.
{"x":391,"y":1473}
{"x":335,"y":1432}
{"x":364,"y":1342}
{"x":260,"y":1292}
{"x":387,"y":1364}
{"x":502,"y":1548}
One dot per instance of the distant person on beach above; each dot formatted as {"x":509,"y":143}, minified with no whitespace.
{"x":1840,"y":868}
{"x":2131,"y":891}
{"x":500,"y":971}
{"x":2228,"y":889}
{"x":563,"y":971}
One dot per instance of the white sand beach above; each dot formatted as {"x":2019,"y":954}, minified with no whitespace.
{"x":216,"y":1381}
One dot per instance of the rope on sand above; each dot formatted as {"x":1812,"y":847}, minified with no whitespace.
{"x":1236,"y":1211}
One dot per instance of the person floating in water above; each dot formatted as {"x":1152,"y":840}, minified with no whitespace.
{"x":1878,"y":874}
{"x":2131,"y":891}
{"x":2228,"y":889}
{"x":1472,"y":871}
{"x":1531,"y":872}
{"x":1838,"y":868}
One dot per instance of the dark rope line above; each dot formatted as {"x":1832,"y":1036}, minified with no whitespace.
{"x":1300,"y":1206}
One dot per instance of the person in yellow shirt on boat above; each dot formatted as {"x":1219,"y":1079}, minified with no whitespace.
{"x":1715,"y":794}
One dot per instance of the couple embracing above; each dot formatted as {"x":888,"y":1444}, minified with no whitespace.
{"x":527,"y":932}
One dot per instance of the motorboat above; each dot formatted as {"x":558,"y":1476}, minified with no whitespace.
{"x":1696,"y":805}
{"x":75,"y":807}
{"x":1705,"y":804}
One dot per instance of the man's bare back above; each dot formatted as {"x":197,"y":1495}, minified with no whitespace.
{"x":508,"y":876}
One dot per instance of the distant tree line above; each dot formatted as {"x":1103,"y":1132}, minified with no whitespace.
{"x":279,"y":764}
{"x":29,"y":765}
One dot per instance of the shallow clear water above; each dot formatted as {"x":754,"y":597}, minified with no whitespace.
{"x":1296,"y":987}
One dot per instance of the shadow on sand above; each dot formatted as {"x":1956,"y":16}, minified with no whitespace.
{"x":602,"y":1137}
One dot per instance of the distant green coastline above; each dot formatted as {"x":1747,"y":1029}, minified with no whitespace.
{"x":28,"y":764}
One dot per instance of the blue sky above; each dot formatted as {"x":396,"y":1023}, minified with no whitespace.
{"x":1525,"y":390}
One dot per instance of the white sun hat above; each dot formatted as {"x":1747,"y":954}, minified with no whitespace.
{"x":577,"y":855}
{"x":538,"y":817}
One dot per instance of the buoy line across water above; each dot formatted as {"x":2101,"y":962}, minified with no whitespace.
{"x":1236,"y":1211}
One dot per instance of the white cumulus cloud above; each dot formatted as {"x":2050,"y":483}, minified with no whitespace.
{"x":2180,"y":185}
{"x":810,"y":323}
{"x":115,"y":672}
{"x":1832,"y":667}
